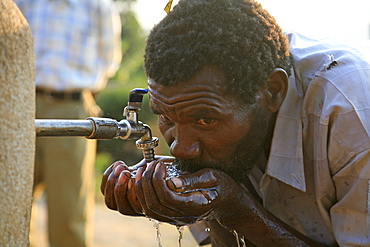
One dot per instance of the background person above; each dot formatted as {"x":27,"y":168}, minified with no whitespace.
{"x":77,"y":48}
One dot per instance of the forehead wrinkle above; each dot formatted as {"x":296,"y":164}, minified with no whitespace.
{"x":174,"y":107}
{"x":188,"y":96}
{"x":190,"y":99}
{"x":191,"y":104}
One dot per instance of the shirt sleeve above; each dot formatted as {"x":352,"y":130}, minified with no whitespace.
{"x":351,"y":215}
{"x":198,"y":231}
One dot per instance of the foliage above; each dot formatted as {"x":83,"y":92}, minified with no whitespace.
{"x":114,"y":98}
{"x":133,"y":41}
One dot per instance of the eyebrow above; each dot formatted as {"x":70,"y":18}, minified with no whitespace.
{"x":202,"y":112}
{"x":196,"y":113}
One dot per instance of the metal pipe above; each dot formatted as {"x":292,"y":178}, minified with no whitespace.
{"x":91,"y":128}
{"x":61,"y":127}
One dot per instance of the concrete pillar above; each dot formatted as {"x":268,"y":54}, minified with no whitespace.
{"x":17,"y":131}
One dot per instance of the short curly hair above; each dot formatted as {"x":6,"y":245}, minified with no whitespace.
{"x":237,"y":36}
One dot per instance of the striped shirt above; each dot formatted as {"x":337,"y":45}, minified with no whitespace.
{"x":77,"y":42}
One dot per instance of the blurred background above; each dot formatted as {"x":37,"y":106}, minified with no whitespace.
{"x":317,"y":18}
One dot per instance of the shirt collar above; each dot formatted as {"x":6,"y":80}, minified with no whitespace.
{"x":286,"y":156}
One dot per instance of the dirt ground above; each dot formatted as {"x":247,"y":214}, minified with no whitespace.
{"x":114,"y":230}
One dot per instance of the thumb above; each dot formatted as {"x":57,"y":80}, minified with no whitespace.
{"x":202,"y":179}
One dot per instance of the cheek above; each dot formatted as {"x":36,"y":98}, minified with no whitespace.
{"x":166,"y":132}
{"x":223,"y":143}
{"x":216,"y":145}
{"x":219,"y":147}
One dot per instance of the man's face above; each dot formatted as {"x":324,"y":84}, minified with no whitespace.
{"x":206,"y":126}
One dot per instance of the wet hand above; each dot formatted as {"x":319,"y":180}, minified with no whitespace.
{"x":117,"y":187}
{"x":183,"y":199}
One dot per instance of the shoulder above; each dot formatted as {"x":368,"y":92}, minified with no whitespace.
{"x":335,"y":80}
{"x":330,"y":59}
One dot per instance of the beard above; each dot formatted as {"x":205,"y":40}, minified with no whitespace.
{"x":246,"y":155}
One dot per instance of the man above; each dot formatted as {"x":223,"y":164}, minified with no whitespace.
{"x":77,"y":48}
{"x":270,"y":132}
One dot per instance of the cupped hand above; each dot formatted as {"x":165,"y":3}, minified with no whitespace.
{"x":117,"y":187}
{"x":185,"y":199}
{"x":145,"y":190}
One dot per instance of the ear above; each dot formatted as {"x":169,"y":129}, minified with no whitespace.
{"x":275,"y":89}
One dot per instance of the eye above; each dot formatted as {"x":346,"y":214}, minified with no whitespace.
{"x":205,"y":121}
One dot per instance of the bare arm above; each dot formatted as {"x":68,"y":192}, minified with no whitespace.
{"x":238,"y":213}
{"x":251,"y":220}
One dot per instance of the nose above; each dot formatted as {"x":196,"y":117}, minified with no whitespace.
{"x":185,"y":148}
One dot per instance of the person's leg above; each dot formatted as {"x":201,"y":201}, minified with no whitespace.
{"x":69,"y":178}
{"x":69,"y":191}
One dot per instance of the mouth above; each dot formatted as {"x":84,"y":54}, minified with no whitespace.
{"x":191,"y":166}
{"x":234,"y":169}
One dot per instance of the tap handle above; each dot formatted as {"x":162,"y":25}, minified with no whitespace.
{"x":136,"y":97}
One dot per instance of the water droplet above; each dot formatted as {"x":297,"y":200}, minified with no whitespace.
{"x":171,"y":170}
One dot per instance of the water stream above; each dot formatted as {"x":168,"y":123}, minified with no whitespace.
{"x":180,"y":230}
{"x":240,"y":240}
{"x":156,"y":225}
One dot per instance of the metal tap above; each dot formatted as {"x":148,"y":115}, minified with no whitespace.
{"x":106,"y":128}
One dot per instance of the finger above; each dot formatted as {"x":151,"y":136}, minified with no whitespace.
{"x":117,"y":163}
{"x":106,"y":174}
{"x":202,"y":179}
{"x":168,"y":197}
{"x":155,"y":210}
{"x":173,"y":199}
{"x":138,"y":188}
{"x":118,"y":169}
{"x":135,"y":167}
{"x":140,"y":180}
{"x":120,"y":192}
{"x":197,"y":191}
{"x":109,"y":192}
{"x":155,"y":174}
{"x":143,"y":200}
{"x":132,"y":197}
